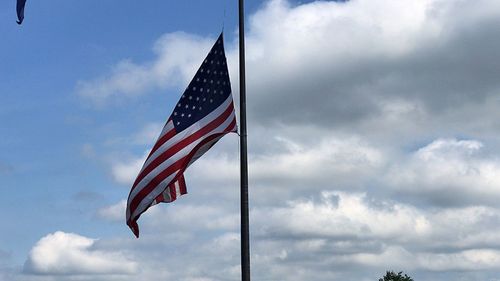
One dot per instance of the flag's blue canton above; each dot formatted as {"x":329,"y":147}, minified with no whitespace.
{"x":209,"y":88}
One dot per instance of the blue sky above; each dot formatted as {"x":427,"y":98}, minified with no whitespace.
{"x":402,"y":170}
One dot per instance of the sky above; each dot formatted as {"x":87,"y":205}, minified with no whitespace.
{"x":372,"y":137}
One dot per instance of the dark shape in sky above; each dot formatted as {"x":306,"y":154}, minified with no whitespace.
{"x":20,"y":10}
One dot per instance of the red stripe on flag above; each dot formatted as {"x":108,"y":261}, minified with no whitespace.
{"x":154,"y":183}
{"x":182,"y":185}
{"x":206,"y":140}
{"x":231,"y":126}
{"x":171,"y":133}
{"x":183,"y":143}
{"x":173,"y":191}
{"x":159,"y":198}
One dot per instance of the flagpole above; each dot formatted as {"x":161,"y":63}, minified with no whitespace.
{"x":245,"y":230}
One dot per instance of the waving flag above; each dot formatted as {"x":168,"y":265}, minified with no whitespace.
{"x":20,"y":10}
{"x":203,"y":115}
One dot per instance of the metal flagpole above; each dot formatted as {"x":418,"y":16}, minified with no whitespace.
{"x":245,"y":231}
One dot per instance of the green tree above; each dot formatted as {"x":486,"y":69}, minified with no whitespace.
{"x":392,"y":276}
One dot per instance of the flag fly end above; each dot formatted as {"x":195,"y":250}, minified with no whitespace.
{"x":20,"y":11}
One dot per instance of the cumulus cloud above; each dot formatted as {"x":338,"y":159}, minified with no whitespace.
{"x":325,"y":223}
{"x":71,"y":254}
{"x":340,"y":215}
{"x":351,"y":58}
{"x":344,"y":231}
{"x":194,"y":218}
{"x":314,"y":162}
{"x":329,"y":157}
{"x":177,"y":56}
{"x":450,"y":166}
{"x":332,"y":236}
{"x":357,"y":216}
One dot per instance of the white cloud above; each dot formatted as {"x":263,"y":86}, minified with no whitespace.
{"x":192,"y":217}
{"x":126,"y":172}
{"x":397,"y":257}
{"x":450,"y":166}
{"x":321,"y":159}
{"x":360,"y":27}
{"x":71,"y":254}
{"x":341,"y":214}
{"x":317,"y":239}
{"x":178,"y":55}
{"x":114,"y":212}
{"x":354,"y":230}
{"x":467,"y":260}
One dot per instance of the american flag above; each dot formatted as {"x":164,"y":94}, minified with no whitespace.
{"x":203,"y":115}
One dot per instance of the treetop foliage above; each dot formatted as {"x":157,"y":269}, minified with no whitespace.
{"x":392,"y":276}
